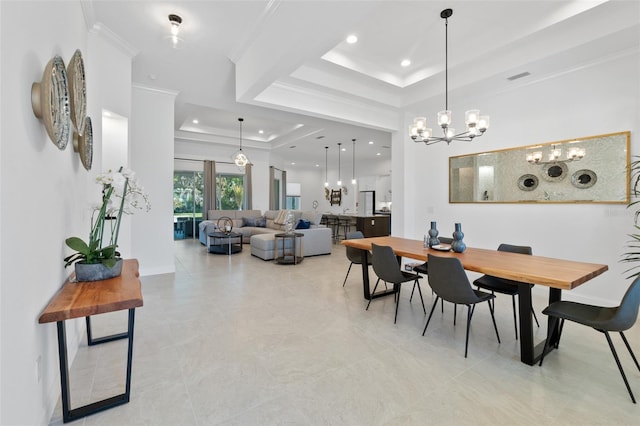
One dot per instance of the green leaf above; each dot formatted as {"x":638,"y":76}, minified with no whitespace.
{"x":109,"y":263}
{"x":78,"y":245}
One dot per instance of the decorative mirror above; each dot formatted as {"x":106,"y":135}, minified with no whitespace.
{"x":528,"y":182}
{"x":554,"y":172}
{"x":584,"y":179}
{"x":591,"y":169}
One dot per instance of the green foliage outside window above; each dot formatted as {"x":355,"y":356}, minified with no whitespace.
{"x":230,"y":192}
{"x":188,"y":190}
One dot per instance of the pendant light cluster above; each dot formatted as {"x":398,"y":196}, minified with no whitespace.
{"x":326,"y":165}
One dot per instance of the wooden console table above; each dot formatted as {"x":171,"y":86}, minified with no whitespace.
{"x":83,"y":299}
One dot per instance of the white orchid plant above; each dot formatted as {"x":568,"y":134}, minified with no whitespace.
{"x":121,"y":193}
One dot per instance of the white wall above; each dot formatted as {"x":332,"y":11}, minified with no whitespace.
{"x":45,"y":197}
{"x":152,"y":159}
{"x":588,"y":101}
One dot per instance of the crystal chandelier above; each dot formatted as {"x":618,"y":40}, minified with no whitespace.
{"x":476,"y":124}
{"x":240,"y":158}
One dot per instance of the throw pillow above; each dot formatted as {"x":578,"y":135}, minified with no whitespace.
{"x":303,"y":224}
{"x":312,"y":217}
{"x":282,"y":216}
{"x":261,"y":222}
{"x":250,"y":221}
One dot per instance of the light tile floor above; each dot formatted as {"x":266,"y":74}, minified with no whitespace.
{"x":235,"y":340}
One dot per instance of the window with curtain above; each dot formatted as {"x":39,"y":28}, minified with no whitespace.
{"x":230,"y":192}
{"x":292,"y":200}
{"x":188,"y":189}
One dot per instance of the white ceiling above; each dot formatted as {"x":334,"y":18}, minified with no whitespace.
{"x":285,"y":67}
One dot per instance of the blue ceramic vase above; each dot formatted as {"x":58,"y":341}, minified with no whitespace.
{"x":458,"y":245}
{"x":433,"y":235}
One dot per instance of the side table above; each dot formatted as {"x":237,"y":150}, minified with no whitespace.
{"x":224,"y":242}
{"x":84,"y":299}
{"x":288,"y":248}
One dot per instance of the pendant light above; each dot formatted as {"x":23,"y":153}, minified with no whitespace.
{"x":476,"y":124}
{"x":239,"y":158}
{"x":326,"y":153}
{"x":339,"y":180}
{"x":353,"y":179}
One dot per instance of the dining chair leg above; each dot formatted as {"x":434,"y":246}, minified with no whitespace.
{"x":372,"y":293}
{"x":559,"y":333}
{"x":493,"y":318}
{"x":551,"y":326}
{"x":397,"y":303}
{"x":420,"y":292}
{"x":469,"y":315}
{"x":624,"y":339}
{"x":412,"y":290}
{"x":430,"y":314}
{"x":615,"y":356}
{"x":515,"y":320}
{"x":455,"y":313}
{"x":534,"y":316}
{"x":349,"y":270}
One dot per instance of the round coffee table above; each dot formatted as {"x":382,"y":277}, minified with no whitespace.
{"x":224,"y":242}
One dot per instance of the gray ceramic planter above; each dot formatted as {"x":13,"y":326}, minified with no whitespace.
{"x":97,"y":271}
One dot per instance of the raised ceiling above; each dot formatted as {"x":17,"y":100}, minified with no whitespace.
{"x":286,"y":68}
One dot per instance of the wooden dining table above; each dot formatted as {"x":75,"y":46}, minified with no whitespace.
{"x":557,"y":274}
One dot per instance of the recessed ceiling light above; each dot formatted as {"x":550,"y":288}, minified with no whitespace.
{"x":377,"y":153}
{"x":317,"y":165}
{"x":195,"y":121}
{"x":352,"y":39}
{"x":370,"y":142}
{"x":405,"y":63}
{"x":343,"y":149}
{"x":293,"y":163}
{"x":261,"y":131}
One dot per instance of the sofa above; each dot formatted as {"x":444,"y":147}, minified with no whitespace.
{"x":258,"y":230}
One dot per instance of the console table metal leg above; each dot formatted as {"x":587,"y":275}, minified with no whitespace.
{"x":69,"y":414}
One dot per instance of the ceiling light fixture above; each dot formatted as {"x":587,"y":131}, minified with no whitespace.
{"x":339,"y":180}
{"x":353,"y":179}
{"x":239,"y":158}
{"x":352,"y":39}
{"x":175,"y":22}
{"x":405,"y":63}
{"x":476,"y":124}
{"x":326,"y":153}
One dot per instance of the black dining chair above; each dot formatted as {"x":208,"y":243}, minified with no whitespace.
{"x":449,"y":281}
{"x":504,"y":286}
{"x":353,"y":254}
{"x":386,"y":266}
{"x":600,"y":318}
{"x":424,"y":268}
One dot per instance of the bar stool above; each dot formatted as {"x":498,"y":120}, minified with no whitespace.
{"x":332,"y":222}
{"x":343,"y":227}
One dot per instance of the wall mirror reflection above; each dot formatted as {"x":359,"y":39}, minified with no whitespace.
{"x":592,"y":169}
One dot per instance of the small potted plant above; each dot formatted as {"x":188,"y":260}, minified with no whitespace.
{"x":98,"y":259}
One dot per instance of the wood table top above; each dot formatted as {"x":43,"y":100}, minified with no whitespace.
{"x":81,"y":299}
{"x":550,"y":272}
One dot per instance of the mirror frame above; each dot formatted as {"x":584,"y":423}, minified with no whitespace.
{"x":566,"y":178}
